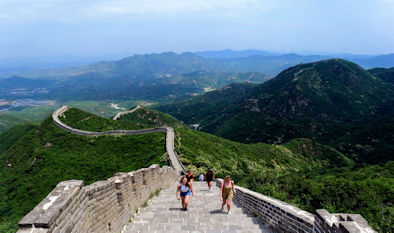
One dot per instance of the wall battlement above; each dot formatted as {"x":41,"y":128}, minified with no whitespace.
{"x":280,"y":216}
{"x":104,"y":206}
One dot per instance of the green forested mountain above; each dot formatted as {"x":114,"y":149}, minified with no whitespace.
{"x":334,"y":101}
{"x":385,"y":74}
{"x":300,"y":171}
{"x":12,"y":135}
{"x":169,"y":63}
{"x":148,"y":118}
{"x":150,"y":76}
{"x":95,"y":86}
{"x":148,"y":65}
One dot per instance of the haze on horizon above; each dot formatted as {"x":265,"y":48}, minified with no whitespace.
{"x":50,"y":28}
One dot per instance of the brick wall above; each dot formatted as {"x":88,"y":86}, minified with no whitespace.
{"x":340,"y":223}
{"x":280,"y":216}
{"x":104,"y":206}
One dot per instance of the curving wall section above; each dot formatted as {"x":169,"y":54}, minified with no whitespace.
{"x":119,"y":114}
{"x":170,"y":135}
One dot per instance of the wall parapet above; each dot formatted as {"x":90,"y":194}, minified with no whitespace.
{"x":104,"y":206}
{"x":340,"y":223}
{"x":280,"y":216}
{"x":120,"y":114}
{"x":170,"y":149}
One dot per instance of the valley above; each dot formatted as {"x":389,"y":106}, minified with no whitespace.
{"x":316,"y":136}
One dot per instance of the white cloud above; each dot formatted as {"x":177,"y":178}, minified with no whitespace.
{"x":387,"y":2}
{"x":171,"y":6}
{"x":65,"y":10}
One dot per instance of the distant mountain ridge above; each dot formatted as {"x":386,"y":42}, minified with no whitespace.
{"x":150,"y":76}
{"x":228,"y":53}
{"x":383,"y":61}
{"x":323,"y":100}
{"x":250,"y":60}
{"x":366,"y":61}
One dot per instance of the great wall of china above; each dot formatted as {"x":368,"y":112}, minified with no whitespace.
{"x":108,"y":206}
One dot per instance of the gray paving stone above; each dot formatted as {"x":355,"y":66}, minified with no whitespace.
{"x":164,"y":214}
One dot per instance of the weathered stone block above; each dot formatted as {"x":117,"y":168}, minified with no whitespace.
{"x":46,"y":219}
{"x":29,"y":219}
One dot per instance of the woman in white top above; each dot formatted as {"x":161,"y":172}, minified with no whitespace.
{"x":185,"y":189}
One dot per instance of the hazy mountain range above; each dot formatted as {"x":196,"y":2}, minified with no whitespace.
{"x":157,"y":76}
{"x":332,"y":101}
{"x":366,"y":61}
{"x":251,"y":60}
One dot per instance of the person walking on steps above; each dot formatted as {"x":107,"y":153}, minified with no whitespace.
{"x":190,"y":176}
{"x":209,"y":177}
{"x":227,"y":191}
{"x":201,"y":177}
{"x":185,"y":189}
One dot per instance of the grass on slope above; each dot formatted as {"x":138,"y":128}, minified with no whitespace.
{"x":12,"y":135}
{"x":7,"y":121}
{"x":140,"y":119}
{"x":200,"y":151}
{"x":79,"y":119}
{"x":301,"y":172}
{"x":47,"y":155}
{"x":34,"y":113}
{"x":148,"y":118}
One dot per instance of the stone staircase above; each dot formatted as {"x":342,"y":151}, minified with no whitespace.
{"x":164,"y":214}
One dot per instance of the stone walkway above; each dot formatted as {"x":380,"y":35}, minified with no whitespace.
{"x":163,"y":214}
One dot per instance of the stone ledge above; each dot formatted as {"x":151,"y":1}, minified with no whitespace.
{"x":97,"y":206}
{"x":283,"y":217}
{"x":340,"y":222}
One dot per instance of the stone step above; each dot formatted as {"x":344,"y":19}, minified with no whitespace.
{"x":164,"y":214}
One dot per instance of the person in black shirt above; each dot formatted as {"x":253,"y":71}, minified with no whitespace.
{"x":209,"y":177}
{"x":190,"y":176}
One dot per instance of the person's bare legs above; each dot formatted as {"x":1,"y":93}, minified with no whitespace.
{"x":229,"y":205}
{"x":224,"y":203}
{"x":187,"y":197}
{"x":183,"y":202}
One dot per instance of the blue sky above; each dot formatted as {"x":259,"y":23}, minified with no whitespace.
{"x":45,"y":28}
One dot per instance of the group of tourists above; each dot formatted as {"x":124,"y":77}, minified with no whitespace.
{"x":185,"y":189}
